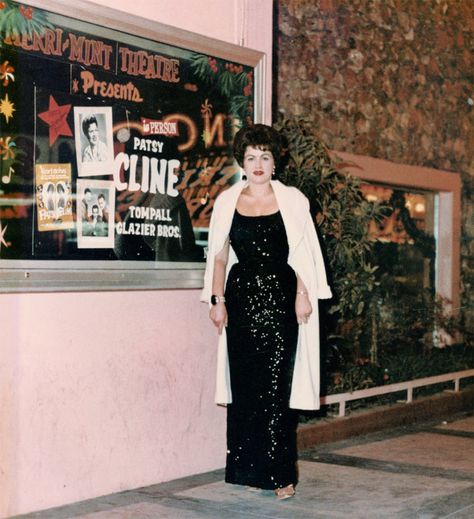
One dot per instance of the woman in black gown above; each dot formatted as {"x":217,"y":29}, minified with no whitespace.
{"x":261,"y":304}
{"x":261,"y":335}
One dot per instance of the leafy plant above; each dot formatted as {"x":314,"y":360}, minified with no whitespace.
{"x":17,"y":19}
{"x":379,"y":328}
{"x":342,"y":214}
{"x":228,"y":79}
{"x":399,"y":366}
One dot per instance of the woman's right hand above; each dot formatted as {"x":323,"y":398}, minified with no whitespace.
{"x":218,"y":315}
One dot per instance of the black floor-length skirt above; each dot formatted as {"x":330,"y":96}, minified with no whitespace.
{"x":261,"y":334}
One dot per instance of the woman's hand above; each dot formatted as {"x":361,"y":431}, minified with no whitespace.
{"x":303,"y":308}
{"x":218,"y":315}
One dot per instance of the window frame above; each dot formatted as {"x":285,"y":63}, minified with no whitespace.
{"x":63,"y":275}
{"x":447,"y":185}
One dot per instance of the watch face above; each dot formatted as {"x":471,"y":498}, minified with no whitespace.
{"x":213,"y":300}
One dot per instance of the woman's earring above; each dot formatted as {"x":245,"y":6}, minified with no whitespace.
{"x":273,"y":172}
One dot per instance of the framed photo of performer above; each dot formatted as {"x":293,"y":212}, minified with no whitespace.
{"x":95,"y":214}
{"x":94,"y":140}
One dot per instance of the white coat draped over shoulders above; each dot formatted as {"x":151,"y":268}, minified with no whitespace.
{"x":305,"y":258}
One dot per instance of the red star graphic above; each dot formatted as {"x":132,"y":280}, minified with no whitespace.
{"x":56,"y":118}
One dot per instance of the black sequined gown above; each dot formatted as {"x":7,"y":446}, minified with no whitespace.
{"x":262,"y":334}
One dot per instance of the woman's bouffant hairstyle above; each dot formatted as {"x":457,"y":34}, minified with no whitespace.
{"x":258,"y":136}
{"x":86,"y":122}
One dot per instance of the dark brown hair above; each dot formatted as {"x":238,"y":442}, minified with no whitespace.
{"x":86,"y":122}
{"x":258,"y":136}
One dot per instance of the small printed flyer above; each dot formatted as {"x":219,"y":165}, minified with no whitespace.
{"x":54,"y":197}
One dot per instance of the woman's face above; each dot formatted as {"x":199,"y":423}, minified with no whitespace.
{"x":258,"y":165}
{"x":93,"y":133}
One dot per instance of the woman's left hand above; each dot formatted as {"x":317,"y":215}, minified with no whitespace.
{"x":303,"y":308}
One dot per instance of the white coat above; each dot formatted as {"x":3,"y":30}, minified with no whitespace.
{"x":305,"y":258}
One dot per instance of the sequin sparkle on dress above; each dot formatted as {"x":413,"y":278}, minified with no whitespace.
{"x":262,"y":334}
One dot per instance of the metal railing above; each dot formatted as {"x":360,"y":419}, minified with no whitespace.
{"x":407,"y":386}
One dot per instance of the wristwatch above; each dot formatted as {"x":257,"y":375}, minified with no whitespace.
{"x":217,"y":299}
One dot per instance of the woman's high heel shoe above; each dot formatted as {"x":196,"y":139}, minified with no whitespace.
{"x":285,"y":492}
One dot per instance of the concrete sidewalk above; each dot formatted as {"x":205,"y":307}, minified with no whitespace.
{"x":419,"y":472}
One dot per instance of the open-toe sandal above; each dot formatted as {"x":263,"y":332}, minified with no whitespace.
{"x":285,"y":492}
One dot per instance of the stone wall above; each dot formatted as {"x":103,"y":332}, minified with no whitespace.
{"x":392,"y":79}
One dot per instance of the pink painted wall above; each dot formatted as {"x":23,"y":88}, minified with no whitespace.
{"x":106,"y":391}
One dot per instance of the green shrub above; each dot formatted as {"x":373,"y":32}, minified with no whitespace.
{"x":379,"y":328}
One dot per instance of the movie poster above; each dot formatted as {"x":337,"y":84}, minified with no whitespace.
{"x":53,"y":197}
